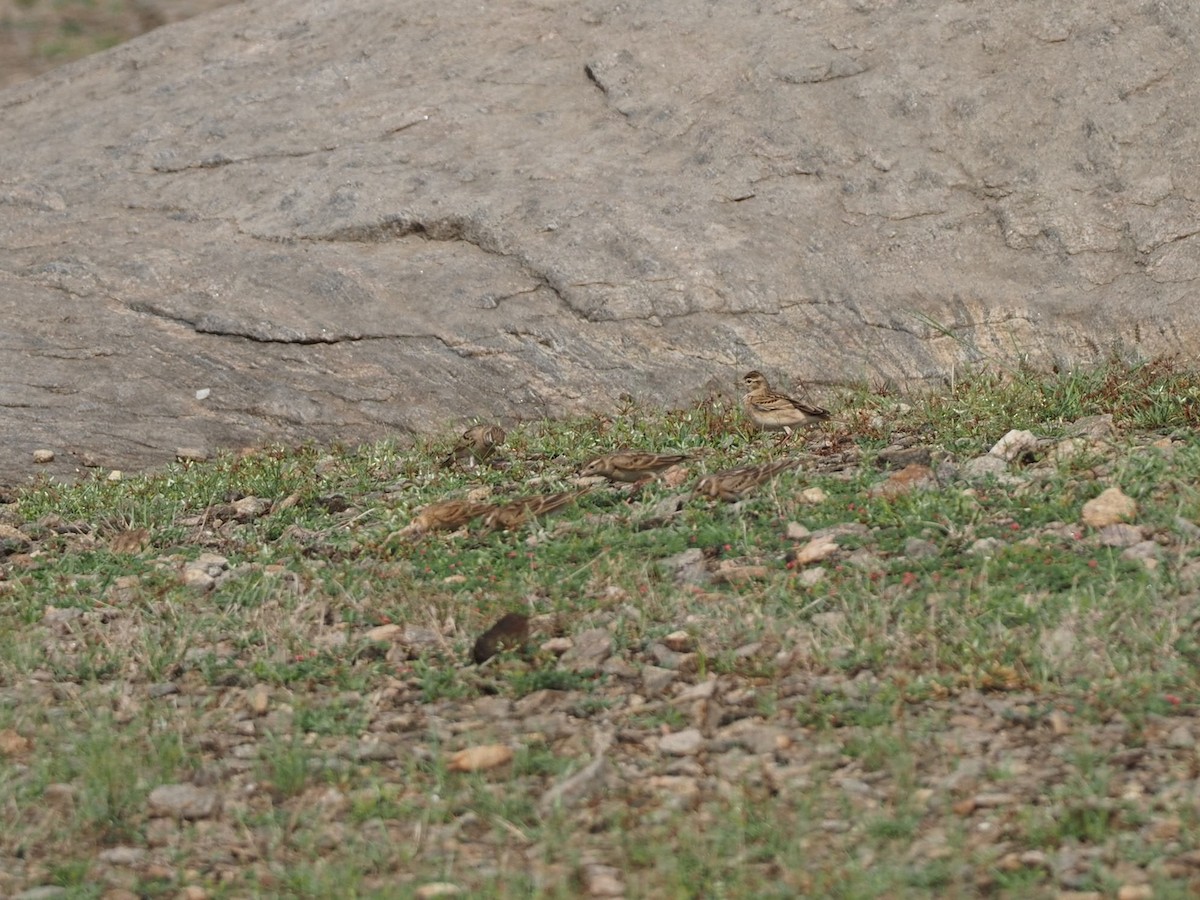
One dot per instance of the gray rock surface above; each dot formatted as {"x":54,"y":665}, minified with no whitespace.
{"x":354,"y":219}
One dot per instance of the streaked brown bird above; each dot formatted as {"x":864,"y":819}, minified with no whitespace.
{"x":772,"y":411}
{"x":446,"y":515}
{"x":733,"y":484}
{"x":515,"y":513}
{"x":631,"y":466}
{"x":476,"y":445}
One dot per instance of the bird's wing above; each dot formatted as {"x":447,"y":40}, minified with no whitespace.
{"x":780,"y":403}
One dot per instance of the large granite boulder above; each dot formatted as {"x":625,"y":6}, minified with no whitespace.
{"x":353,"y":219}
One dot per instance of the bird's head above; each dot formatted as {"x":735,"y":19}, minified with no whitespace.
{"x":755,"y":379}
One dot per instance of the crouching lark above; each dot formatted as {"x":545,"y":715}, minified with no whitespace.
{"x":631,"y":466}
{"x":445,"y":515}
{"x":516,"y":513}
{"x":733,"y":484}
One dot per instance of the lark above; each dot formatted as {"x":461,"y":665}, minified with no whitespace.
{"x":631,"y":466}
{"x":516,"y":513}
{"x":772,"y":411}
{"x":510,"y":633}
{"x":733,"y":484}
{"x":477,"y":445}
{"x":446,"y":515}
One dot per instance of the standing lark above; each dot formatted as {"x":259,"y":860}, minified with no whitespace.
{"x":477,"y":444}
{"x":631,"y":466}
{"x":733,"y":484}
{"x":773,"y":411}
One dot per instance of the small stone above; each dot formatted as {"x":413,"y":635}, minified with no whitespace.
{"x":664,"y":510}
{"x":184,"y":801}
{"x":43,"y":456}
{"x":701,"y":691}
{"x":202,"y":572}
{"x":1135,"y":892}
{"x":591,"y":648}
{"x":558,"y":646}
{"x":116,"y":475}
{"x":123,"y":856}
{"x":619,"y":668}
{"x":985,"y":547}
{"x":385,"y":633}
{"x":909,"y":479}
{"x":796,"y":532}
{"x":679,"y":792}
{"x":754,"y":737}
{"x":1009,"y":862}
{"x":1145,"y":552}
{"x":603,"y":881}
{"x":1119,"y":534}
{"x":812,"y":576}
{"x":668,"y":658}
{"x":984,"y":467}
{"x":1187,"y":528}
{"x":162,"y":689}
{"x":191,"y":454}
{"x":14,"y":744}
{"x":259,"y":699}
{"x":1181,"y":738}
{"x":60,"y":794}
{"x":437,"y":889}
{"x":1098,"y":427}
{"x":1110,"y":507}
{"x":814,"y":551}
{"x":13,"y":540}
{"x":687,"y":567}
{"x":656,"y":680}
{"x":1068,"y":448}
{"x":198,"y":579}
{"x":748,"y":651}
{"x":1015,"y":445}
{"x":476,"y":759}
{"x":679,"y":641}
{"x":857,"y":786}
{"x":682,"y":743}
{"x":812,"y":496}
{"x":420,"y":636}
{"x":249,"y":508}
{"x":918,"y":548}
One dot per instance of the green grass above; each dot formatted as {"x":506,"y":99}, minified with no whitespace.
{"x":1048,"y":659}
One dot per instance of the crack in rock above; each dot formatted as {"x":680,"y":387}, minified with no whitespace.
{"x":220,"y":160}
